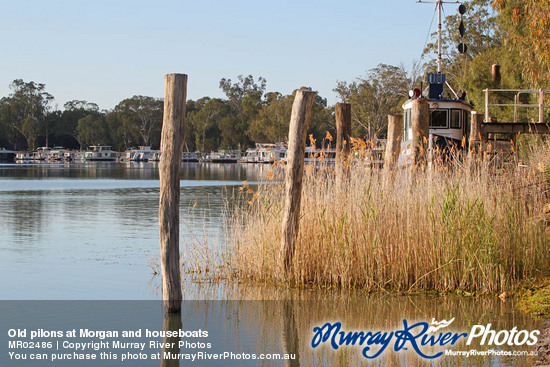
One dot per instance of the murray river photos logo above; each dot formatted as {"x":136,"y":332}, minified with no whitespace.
{"x":417,"y":337}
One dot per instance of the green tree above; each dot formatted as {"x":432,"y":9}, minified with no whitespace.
{"x":526,"y":26}
{"x":272,"y":121}
{"x":65,"y":130}
{"x":206,"y":120}
{"x":245,"y":99}
{"x":122,"y":131}
{"x":143,"y":115}
{"x":25,"y":109}
{"x":373,"y":97}
{"x":92,"y":130}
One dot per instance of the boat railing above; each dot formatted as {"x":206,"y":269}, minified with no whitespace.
{"x":516,"y":104}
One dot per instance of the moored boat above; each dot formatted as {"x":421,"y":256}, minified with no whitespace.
{"x":7,"y":156}
{"x":100,"y":153}
{"x":449,"y":117}
{"x":265,"y":153}
{"x":144,"y":154}
{"x":191,"y":156}
{"x":223,"y":156}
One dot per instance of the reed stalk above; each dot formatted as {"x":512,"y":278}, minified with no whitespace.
{"x":465,"y":225}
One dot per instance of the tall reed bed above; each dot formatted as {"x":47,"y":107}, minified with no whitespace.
{"x":462,"y":226}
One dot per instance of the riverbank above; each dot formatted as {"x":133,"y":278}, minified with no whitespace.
{"x":543,"y":348}
{"x":534,"y":299}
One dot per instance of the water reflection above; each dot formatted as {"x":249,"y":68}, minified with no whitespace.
{"x":285,"y":324}
{"x":171,"y":323}
{"x":24,"y":215}
{"x":289,"y":337}
{"x":133,"y":171}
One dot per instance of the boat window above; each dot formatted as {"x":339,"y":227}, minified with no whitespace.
{"x":438,"y":118}
{"x":456,"y":119}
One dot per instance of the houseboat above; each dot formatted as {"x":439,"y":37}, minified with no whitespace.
{"x":42,"y":154}
{"x":100,"y":153}
{"x":7,"y":156}
{"x":24,"y":156}
{"x":191,"y":156}
{"x":223,"y":156}
{"x":57,"y":154}
{"x":144,"y":154}
{"x":265,"y":153}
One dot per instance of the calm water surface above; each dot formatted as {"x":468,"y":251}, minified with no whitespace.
{"x":89,"y":231}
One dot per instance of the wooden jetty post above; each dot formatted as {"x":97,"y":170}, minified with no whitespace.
{"x":299,"y":120}
{"x":420,"y":121}
{"x":342,"y":113}
{"x":475,"y":141}
{"x":393,"y":144}
{"x":171,"y":145}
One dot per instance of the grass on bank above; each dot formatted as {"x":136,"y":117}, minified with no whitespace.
{"x":534,"y":298}
{"x":465,"y":226}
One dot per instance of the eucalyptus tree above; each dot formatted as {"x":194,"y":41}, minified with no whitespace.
{"x":373,"y":97}
{"x":245,"y":99}
{"x":272,"y":121}
{"x":144,"y":116}
{"x":92,"y":130}
{"x":66,"y":132}
{"x":25,"y":109}
{"x":526,"y":27}
{"x":205,"y":121}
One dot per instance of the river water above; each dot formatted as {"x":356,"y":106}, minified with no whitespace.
{"x":90,"y":232}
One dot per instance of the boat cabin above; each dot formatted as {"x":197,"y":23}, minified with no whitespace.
{"x":449,"y":117}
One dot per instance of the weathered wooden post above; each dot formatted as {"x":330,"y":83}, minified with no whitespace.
{"x":171,"y":146}
{"x":342,"y":113}
{"x":474,"y":140}
{"x":299,"y":120}
{"x":393,"y":143}
{"x":420,"y":121}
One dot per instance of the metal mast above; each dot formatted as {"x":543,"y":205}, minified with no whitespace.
{"x":439,"y":6}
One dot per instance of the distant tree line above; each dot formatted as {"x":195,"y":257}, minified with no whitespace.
{"x":512,"y":33}
{"x":247,"y":115}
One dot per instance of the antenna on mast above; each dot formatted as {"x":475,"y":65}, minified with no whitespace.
{"x":439,"y":6}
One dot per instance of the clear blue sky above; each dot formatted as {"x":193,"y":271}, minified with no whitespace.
{"x":104,"y":51}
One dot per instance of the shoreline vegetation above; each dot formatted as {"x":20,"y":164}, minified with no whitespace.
{"x":466,"y":226}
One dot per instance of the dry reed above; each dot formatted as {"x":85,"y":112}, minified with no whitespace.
{"x":464,"y":225}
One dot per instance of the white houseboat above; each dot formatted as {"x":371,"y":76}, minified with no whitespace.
{"x":265,"y":153}
{"x":144,"y":154}
{"x":24,"y":156}
{"x":100,"y":153}
{"x":191,"y":156}
{"x":57,"y":154}
{"x":223,"y":156}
